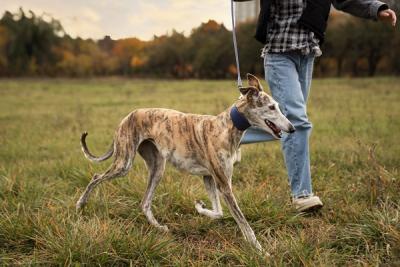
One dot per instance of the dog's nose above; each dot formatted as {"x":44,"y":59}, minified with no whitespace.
{"x":292,"y":129}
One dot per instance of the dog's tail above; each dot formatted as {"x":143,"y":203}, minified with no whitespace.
{"x":92,"y":157}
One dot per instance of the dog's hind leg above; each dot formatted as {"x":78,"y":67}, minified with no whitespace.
{"x":212,"y":192}
{"x":155,"y":163}
{"x":120,"y":167}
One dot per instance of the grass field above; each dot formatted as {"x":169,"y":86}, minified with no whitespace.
{"x":355,"y":163}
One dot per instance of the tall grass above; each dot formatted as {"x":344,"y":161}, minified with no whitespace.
{"x":355,"y":164}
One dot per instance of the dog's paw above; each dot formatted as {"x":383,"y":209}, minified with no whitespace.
{"x":79,"y":206}
{"x":199,"y":205}
{"x":264,"y":253}
{"x":163,"y":228}
{"x":260,"y":249}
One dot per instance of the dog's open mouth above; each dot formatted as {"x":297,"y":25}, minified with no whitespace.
{"x":277,"y":132}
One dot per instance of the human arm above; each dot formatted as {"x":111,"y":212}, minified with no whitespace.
{"x":369,"y":9}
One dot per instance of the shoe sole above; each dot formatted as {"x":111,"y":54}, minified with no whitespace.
{"x":313,"y":208}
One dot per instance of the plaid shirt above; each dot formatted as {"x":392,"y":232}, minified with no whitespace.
{"x":285,"y":34}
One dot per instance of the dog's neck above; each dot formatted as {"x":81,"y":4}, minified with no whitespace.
{"x":234,"y":134}
{"x":238,"y":119}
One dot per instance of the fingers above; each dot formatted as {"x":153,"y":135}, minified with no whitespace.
{"x":388,"y":15}
{"x":392,"y":14}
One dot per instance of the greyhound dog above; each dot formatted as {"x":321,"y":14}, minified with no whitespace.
{"x":200,"y":144}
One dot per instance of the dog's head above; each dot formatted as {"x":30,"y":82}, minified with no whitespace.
{"x":261,"y":110}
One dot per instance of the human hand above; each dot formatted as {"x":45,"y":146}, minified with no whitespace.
{"x":388,"y":16}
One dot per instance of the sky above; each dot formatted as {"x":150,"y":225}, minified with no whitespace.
{"x":126,"y":18}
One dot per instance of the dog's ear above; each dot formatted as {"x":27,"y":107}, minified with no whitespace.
{"x":253,"y":81}
{"x":249,"y":91}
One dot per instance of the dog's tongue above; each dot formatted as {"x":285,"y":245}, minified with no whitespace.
{"x":273,"y":127}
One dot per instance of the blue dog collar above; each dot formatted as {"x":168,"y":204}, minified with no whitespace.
{"x":239,"y":121}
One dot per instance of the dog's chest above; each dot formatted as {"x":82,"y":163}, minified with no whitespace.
{"x":186,"y":163}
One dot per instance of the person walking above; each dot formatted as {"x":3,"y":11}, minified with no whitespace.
{"x":292,"y":32}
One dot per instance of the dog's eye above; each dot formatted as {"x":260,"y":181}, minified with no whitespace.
{"x":271,"y":107}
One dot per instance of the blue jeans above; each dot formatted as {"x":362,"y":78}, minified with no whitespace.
{"x":289,"y":77}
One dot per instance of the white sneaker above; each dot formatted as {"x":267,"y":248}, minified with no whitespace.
{"x":310,"y":203}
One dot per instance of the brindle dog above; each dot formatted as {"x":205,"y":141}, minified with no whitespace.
{"x":200,"y":144}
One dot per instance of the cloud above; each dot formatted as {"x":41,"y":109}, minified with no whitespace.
{"x":89,"y":14}
{"x":157,"y":18}
{"x":127,"y":18}
{"x":85,"y":23}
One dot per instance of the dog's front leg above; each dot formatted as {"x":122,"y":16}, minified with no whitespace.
{"x":230,"y":200}
{"x":212,"y":191}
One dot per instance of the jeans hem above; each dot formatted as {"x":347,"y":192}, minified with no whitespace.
{"x":302,"y":195}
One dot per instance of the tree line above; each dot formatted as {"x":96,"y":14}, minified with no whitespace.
{"x":37,"y":45}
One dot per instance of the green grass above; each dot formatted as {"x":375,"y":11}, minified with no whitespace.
{"x":355,"y":164}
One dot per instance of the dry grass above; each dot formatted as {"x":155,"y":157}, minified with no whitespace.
{"x":355,"y":162}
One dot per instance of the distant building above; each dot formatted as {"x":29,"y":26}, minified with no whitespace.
{"x":246,"y":11}
{"x":106,"y":44}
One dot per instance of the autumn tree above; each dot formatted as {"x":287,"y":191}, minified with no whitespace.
{"x":4,"y":40}
{"x":167,"y":56}
{"x":37,"y":45}
{"x":31,"y":40}
{"x":130,"y":54}
{"x":210,"y":50}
